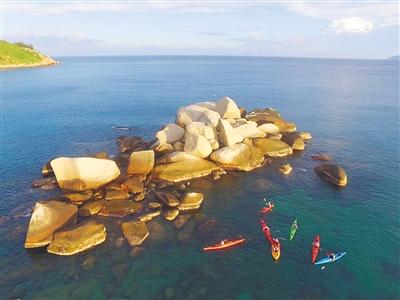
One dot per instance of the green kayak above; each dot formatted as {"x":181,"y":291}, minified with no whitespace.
{"x":293,"y":229}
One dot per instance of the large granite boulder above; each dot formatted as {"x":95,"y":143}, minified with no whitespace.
{"x":191,"y":201}
{"x":184,"y":170}
{"x":249,"y":130}
{"x":268,"y":117}
{"x":197,"y":145}
{"x":47,"y":217}
{"x":227,"y":135}
{"x":272,"y":147}
{"x":141,"y":162}
{"x":198,"y":128}
{"x":332,"y":173}
{"x":239,"y":157}
{"x":78,"y":238}
{"x":227,"y":108}
{"x":128,"y":144}
{"x":135,"y":232}
{"x":294,"y":140}
{"x":170,"y":134}
{"x":176,"y":157}
{"x":195,"y":113}
{"x":119,"y":208}
{"x":269,"y":128}
{"x":83,"y":173}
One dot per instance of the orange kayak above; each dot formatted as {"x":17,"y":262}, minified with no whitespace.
{"x":267,"y":208}
{"x":225,"y":244}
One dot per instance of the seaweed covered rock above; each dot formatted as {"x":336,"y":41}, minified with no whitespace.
{"x":78,"y":238}
{"x":332,"y":173}
{"x":240,"y":156}
{"x":47,"y":217}
{"x":272,"y":147}
{"x":83,"y":173}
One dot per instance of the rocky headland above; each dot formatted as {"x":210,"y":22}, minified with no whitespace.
{"x":151,"y":179}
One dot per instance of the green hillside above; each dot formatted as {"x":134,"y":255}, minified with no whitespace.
{"x":18,"y":53}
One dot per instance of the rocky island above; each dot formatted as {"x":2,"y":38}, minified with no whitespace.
{"x":146,"y":180}
{"x":21,"y":55}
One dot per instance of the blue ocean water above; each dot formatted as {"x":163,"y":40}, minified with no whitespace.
{"x":351,"y":107}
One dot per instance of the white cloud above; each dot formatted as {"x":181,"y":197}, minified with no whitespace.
{"x":351,"y":25}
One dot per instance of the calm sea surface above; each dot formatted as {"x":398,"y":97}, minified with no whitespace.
{"x":351,"y":107}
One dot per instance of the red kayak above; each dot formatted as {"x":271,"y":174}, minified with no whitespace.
{"x":266,"y":231}
{"x":267,"y":208}
{"x":224,"y":244}
{"x":315,"y":248}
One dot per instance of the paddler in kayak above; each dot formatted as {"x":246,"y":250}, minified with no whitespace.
{"x":331,"y":255}
{"x":267,"y":208}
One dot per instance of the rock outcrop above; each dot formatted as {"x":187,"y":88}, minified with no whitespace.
{"x":195,"y":113}
{"x":269,"y":128}
{"x":227,"y":135}
{"x":47,"y":217}
{"x":119,"y":208}
{"x":78,"y":238}
{"x":227,"y":108}
{"x":83,"y":173}
{"x":170,"y":134}
{"x":332,"y":173}
{"x":191,"y":201}
{"x":294,"y":140}
{"x":269,"y":116}
{"x":141,"y":162}
{"x":239,"y":157}
{"x":197,"y":145}
{"x":249,"y":130}
{"x":272,"y":147}
{"x":135,"y":232}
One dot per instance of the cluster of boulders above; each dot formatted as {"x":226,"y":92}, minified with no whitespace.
{"x":146,"y":180}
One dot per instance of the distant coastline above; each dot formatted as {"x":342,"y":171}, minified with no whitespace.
{"x":47,"y":61}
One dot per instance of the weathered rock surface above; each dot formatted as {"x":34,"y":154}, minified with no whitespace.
{"x":149,"y":216}
{"x":79,"y":197}
{"x":78,"y":238}
{"x":305,"y":135}
{"x":47,"y":217}
{"x":170,"y":134}
{"x":191,"y":201}
{"x":133,"y":184}
{"x":83,"y":173}
{"x":269,"y":117}
{"x":269,"y":128}
{"x":135,"y":232}
{"x":294,"y":140}
{"x":197,"y":145}
{"x":116,"y":195}
{"x":178,"y":146}
{"x":227,"y":108}
{"x":332,"y":173}
{"x":227,"y":135}
{"x":119,"y":208}
{"x":91,"y":208}
{"x":128,"y":144}
{"x":169,"y":200}
{"x":177,"y":156}
{"x":239,"y":157}
{"x":249,"y":130}
{"x":171,"y":214}
{"x":184,"y":170}
{"x":141,"y":162}
{"x":273,"y":148}
{"x":198,"y":128}
{"x":195,"y":113}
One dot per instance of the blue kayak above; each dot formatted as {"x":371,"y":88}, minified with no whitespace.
{"x":327,"y":260}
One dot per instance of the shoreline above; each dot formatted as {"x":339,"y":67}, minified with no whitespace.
{"x":44,"y":63}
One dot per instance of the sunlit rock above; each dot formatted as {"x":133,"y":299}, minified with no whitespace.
{"x":141,"y":162}
{"x":191,"y":201}
{"x":227,"y":135}
{"x":273,"y":148}
{"x":170,"y":134}
{"x":332,"y":173}
{"x":227,"y":108}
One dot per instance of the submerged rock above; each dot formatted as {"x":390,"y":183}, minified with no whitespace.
{"x":135,"y":232}
{"x":44,"y":181}
{"x":191,"y":201}
{"x":285,"y":169}
{"x":273,"y":148}
{"x":322,"y":157}
{"x":294,"y":140}
{"x":239,"y":157}
{"x":119,"y":208}
{"x":171,"y":214}
{"x":332,"y":173}
{"x":128,"y":144}
{"x":47,"y":217}
{"x":83,"y":173}
{"x":184,"y":170}
{"x":78,"y":238}
{"x":181,"y":220}
{"x":141,"y":162}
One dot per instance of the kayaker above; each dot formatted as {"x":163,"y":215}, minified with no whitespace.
{"x":222,"y":242}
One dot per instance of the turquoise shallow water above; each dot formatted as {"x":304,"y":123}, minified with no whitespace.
{"x":351,"y":107}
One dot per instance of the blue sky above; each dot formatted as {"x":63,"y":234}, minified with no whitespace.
{"x":352,"y":29}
